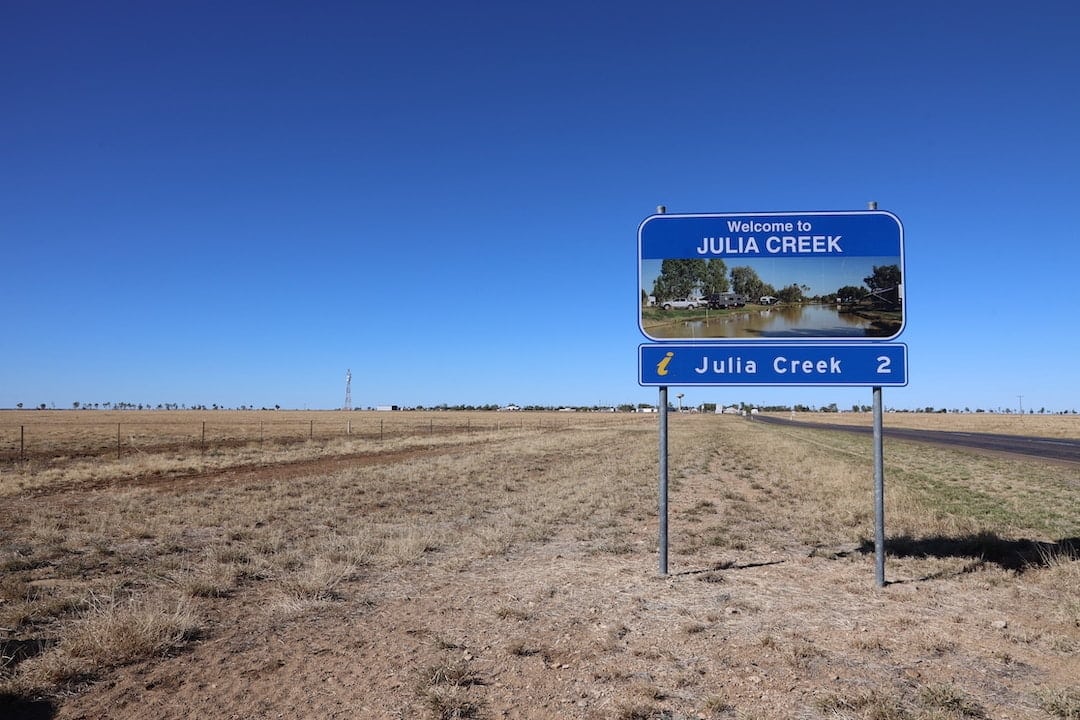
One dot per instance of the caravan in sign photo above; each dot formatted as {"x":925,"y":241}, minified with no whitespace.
{"x":807,"y":276}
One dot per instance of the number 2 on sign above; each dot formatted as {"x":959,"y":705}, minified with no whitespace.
{"x":883,"y":365}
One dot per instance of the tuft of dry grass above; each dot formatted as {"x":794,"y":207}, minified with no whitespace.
{"x":452,"y":673}
{"x":317,"y":583}
{"x":109,"y":633}
{"x":642,"y":711}
{"x":451,"y":704}
{"x":717,"y":706}
{"x":443,"y":690}
{"x":209,"y":582}
{"x":116,"y":632}
{"x":873,"y":704}
{"x":1061,"y":703}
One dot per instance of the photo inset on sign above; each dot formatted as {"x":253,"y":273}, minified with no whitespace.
{"x":749,"y":277}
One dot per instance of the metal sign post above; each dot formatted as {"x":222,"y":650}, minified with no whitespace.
{"x":879,"y":495}
{"x":879,"y":481}
{"x":663,"y":494}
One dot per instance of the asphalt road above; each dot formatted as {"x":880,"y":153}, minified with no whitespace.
{"x":1057,"y":449}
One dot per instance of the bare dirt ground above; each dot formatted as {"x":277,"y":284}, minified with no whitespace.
{"x":770,"y":610}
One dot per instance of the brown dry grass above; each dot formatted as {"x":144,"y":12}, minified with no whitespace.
{"x":50,"y":448}
{"x":511,"y":571}
{"x":52,"y":432}
{"x":1053,"y":426}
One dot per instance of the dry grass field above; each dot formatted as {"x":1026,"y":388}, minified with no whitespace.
{"x":444,"y":565}
{"x":1052,"y":426}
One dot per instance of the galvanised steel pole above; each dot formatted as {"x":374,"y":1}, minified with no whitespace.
{"x":663,"y":491}
{"x":879,"y":495}
{"x":879,"y":482}
{"x":663,"y":481}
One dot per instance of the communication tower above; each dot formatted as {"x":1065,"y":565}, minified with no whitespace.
{"x":348,"y":390}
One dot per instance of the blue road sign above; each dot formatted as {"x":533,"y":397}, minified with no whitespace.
{"x":847,"y":365}
{"x":850,"y":263}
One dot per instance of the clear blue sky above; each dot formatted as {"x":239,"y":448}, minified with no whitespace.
{"x":232,"y":203}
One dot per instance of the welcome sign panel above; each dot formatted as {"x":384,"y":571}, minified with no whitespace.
{"x":774,"y":277}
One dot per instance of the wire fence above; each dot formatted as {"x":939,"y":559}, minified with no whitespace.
{"x":71,"y":437}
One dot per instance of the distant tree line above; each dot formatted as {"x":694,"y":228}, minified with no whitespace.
{"x":622,"y":407}
{"x":680,"y":278}
{"x":78,"y":405}
{"x":832,"y":407}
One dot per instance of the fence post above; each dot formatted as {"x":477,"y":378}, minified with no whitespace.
{"x":117,"y":441}
{"x":204,"y":436}
{"x":311,"y":431}
{"x":22,"y":442}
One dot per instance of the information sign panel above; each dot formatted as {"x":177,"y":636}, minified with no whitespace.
{"x":790,"y":364}
{"x":772,"y":277}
